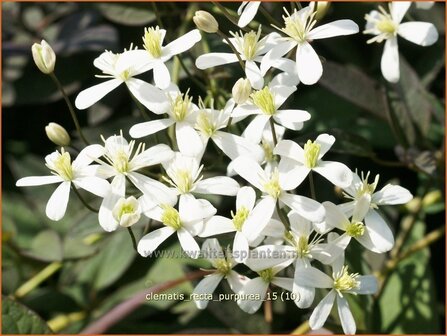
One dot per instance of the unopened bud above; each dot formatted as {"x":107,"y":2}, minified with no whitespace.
{"x":322,"y":8}
{"x":205,"y":21}
{"x":414,"y":205}
{"x":241,"y":91}
{"x":127,"y":211}
{"x":431,"y":198}
{"x":44,"y":57}
{"x":57,"y":134}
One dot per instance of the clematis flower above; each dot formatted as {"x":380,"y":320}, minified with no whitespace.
{"x":309,"y":159}
{"x":247,"y":11}
{"x":187,"y":222}
{"x":184,"y":175}
{"x":210,"y":123}
{"x":118,"y":68}
{"x":79,"y":173}
{"x":127,"y":211}
{"x":182,"y":113}
{"x":122,"y":161}
{"x":251,"y":50}
{"x":386,"y":26}
{"x":265,"y":104}
{"x":223,"y":264}
{"x":300,"y":31}
{"x":156,"y":55}
{"x":341,"y":283}
{"x":274,"y":186}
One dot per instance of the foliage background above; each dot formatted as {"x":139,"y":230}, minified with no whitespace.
{"x":395,"y":130}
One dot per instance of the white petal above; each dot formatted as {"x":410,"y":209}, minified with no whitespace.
{"x":245,"y":110}
{"x":291,"y":173}
{"x":205,"y":287}
{"x":87,"y":155}
{"x":236,"y":281}
{"x":292,"y":119}
{"x":368,"y":284}
{"x":305,"y":294}
{"x":162,"y":78}
{"x":88,"y":97}
{"x":189,"y":245}
{"x":95,"y":185}
{"x":152,"y":240}
{"x":312,"y":277}
{"x":325,"y":141}
{"x":240,"y":247}
{"x":105,"y":216}
{"x":346,"y":318}
{"x":306,"y":207}
{"x":151,"y":97}
{"x":274,"y":229}
{"x":152,"y":156}
{"x":250,"y":170}
{"x":248,"y":13}
{"x":281,"y":94}
{"x":38,"y":180}
{"x":286,"y":283}
{"x":270,"y":256}
{"x":188,"y":140}
{"x":219,"y":185}
{"x":246,"y":197}
{"x":192,"y":209}
{"x":390,"y":61}
{"x":275,"y":54}
{"x":217,"y":225}
{"x":253,"y":132}
{"x":157,"y":190}
{"x":392,"y":195}
{"x":183,"y":43}
{"x":308,"y":64}
{"x":337,"y":173}
{"x":255,"y":288}
{"x":361,"y":208}
{"x":254,"y":75}
{"x":398,"y":10}
{"x":335,"y":217}
{"x":378,"y":236}
{"x":212,"y":251}
{"x":234,"y":146}
{"x":290,"y":149}
{"x":335,"y":28}
{"x":149,"y":127}
{"x":258,"y":218}
{"x":299,"y":224}
{"x":57,"y":204}
{"x":214,"y":59}
{"x":322,"y":311}
{"x":421,"y":33}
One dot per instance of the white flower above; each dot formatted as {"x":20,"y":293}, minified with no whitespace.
{"x":223,"y":265}
{"x":120,"y":69}
{"x":268,"y":145}
{"x":127,"y":211}
{"x":267,"y":261}
{"x":265,"y":104}
{"x":122,"y":160}
{"x":247,"y":11}
{"x":300,"y":31}
{"x":309,"y":159}
{"x":274,"y":187}
{"x":156,"y":55}
{"x":79,"y":172}
{"x":182,"y":113}
{"x":187,"y":222}
{"x":386,"y":26}
{"x":250,"y":48}
{"x":341,"y":283}
{"x":184,"y":174}
{"x":210,"y":123}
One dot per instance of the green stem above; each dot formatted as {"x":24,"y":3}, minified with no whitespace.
{"x":312,"y":186}
{"x":76,"y":191}
{"x":241,"y":62}
{"x":270,"y":18}
{"x":36,"y":280}
{"x":284,"y":219}
{"x":70,"y":108}
{"x":230,"y":17}
{"x":272,"y":127}
{"x":132,"y":236}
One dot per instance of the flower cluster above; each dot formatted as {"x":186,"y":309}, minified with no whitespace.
{"x":274,"y":227}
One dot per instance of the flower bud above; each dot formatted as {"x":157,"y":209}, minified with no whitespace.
{"x":321,"y":10}
{"x":127,"y":211}
{"x":44,"y":57}
{"x":433,"y":197}
{"x":205,"y":21}
{"x":241,"y":91}
{"x":57,"y":134}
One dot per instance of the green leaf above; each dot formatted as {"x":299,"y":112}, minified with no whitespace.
{"x":46,"y":246}
{"x":18,"y":319}
{"x":129,"y":14}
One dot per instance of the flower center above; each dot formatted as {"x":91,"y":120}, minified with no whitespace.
{"x":344,"y":281}
{"x":311,"y":152}
{"x":125,"y":75}
{"x":302,"y":246}
{"x":121,"y":161}
{"x":183,"y":180}
{"x":223,"y":266}
{"x":248,"y":43}
{"x":180,"y":106}
{"x":60,"y":163}
{"x":298,"y":26}
{"x":356,"y":229}
{"x":152,"y":41}
{"x":272,"y":187}
{"x":367,"y":188}
{"x":268,"y":150}
{"x":384,"y":24}
{"x":171,"y":217}
{"x":204,"y":124}
{"x":266,"y":275}
{"x":127,"y":211}
{"x":239,"y":217}
{"x":265,"y":100}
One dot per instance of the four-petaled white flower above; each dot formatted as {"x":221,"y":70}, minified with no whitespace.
{"x":300,"y":31}
{"x":154,"y":55}
{"x":187,"y":222}
{"x":309,"y":159}
{"x":387,"y":25}
{"x":247,"y":11}
{"x":223,"y":264}
{"x":79,"y":172}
